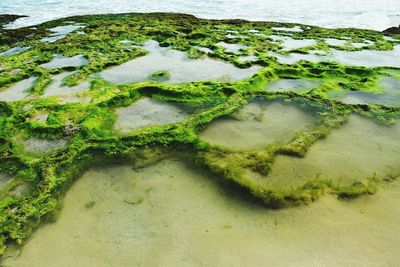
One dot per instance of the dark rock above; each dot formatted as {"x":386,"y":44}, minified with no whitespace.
{"x":393,"y":30}
{"x":8,"y":18}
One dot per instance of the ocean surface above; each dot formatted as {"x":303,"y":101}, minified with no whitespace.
{"x":370,"y":14}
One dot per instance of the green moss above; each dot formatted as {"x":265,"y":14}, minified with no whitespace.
{"x":89,"y":126}
{"x":160,"y":76}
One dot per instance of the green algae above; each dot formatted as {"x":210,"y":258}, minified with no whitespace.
{"x":89,"y":126}
{"x":117,"y":215}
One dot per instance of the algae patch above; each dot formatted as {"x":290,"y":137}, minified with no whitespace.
{"x":147,"y":112}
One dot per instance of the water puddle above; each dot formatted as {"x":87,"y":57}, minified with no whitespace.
{"x":360,"y":45}
{"x":61,"y":62}
{"x":335,"y":42}
{"x":390,"y":38}
{"x":232,"y":36}
{"x":390,"y":95}
{"x":14,"y":51}
{"x":40,"y":117}
{"x":351,"y":153}
{"x":257,"y":125}
{"x":57,"y":87}
{"x":21,"y":190}
{"x":15,"y":72}
{"x":285,"y":29}
{"x":365,"y":58}
{"x":296,"y":85}
{"x":291,"y":44}
{"x":4,"y":178}
{"x":253,"y":31}
{"x":204,"y":49}
{"x":18,"y":91}
{"x":233,"y":48}
{"x":147,"y":112}
{"x":121,"y":217}
{"x":60,"y":32}
{"x":247,"y":58}
{"x":13,"y":186}
{"x":78,"y":98}
{"x":180,"y":68}
{"x":38,"y":146}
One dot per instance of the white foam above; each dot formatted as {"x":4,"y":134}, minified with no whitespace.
{"x":377,"y":15}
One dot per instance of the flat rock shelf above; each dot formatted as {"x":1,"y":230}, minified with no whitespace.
{"x":210,"y":142}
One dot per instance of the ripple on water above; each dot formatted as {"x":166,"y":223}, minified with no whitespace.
{"x":147,"y":112}
{"x":258,"y":124}
{"x":180,"y":67}
{"x":119,"y":216}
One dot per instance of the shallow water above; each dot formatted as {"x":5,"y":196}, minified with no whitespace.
{"x":177,"y":63}
{"x":358,"y":97}
{"x":14,"y":51}
{"x":18,"y":91}
{"x":147,"y":112}
{"x":171,"y":214}
{"x":204,"y":49}
{"x":335,"y":42}
{"x":38,"y":146}
{"x":351,"y":153}
{"x":40,"y":117}
{"x":233,"y":36}
{"x":285,"y":29}
{"x":60,"y":32}
{"x":4,"y":178}
{"x":257,"y":125}
{"x":64,"y":30}
{"x":61,"y":62}
{"x":389,"y":96}
{"x":57,"y":87}
{"x":77,"y":98}
{"x":366,"y":58}
{"x":292,"y":85}
{"x":293,"y":58}
{"x":233,"y":48}
{"x":247,"y":58}
{"x":291,"y":44}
